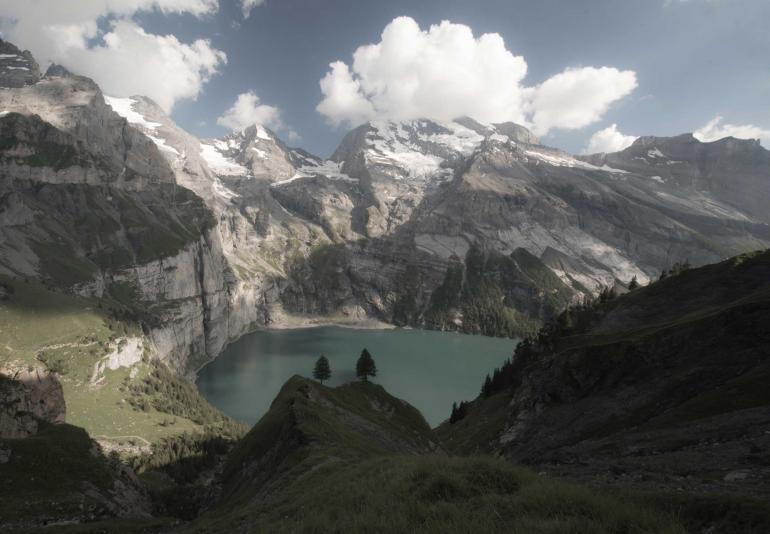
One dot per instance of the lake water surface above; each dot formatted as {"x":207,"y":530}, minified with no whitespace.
{"x":428,"y":369}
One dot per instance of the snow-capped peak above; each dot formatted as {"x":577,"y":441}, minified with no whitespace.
{"x":420,"y":148}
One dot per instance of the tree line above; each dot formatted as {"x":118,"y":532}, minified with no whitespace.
{"x":574,"y":320}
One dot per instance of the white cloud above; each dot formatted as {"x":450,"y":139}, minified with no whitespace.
{"x":608,"y":140}
{"x":445,"y":72}
{"x":578,"y":97}
{"x":123,"y":59}
{"x":343,"y":100}
{"x":247,"y":111}
{"x":248,"y":5}
{"x":293,"y":137}
{"x":714,"y":130}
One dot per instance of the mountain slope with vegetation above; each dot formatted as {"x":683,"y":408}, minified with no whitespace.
{"x":354,"y":458}
{"x":661,"y":387}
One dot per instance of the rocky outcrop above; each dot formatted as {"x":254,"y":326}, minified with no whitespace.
{"x":17,"y":68}
{"x":28,"y":397}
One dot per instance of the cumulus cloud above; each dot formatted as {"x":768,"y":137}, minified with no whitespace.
{"x":578,"y":97}
{"x":608,"y":140}
{"x":122,"y":57}
{"x":247,"y":111}
{"x":445,"y":72}
{"x":344,"y":101}
{"x":715,"y":129}
{"x":248,"y":5}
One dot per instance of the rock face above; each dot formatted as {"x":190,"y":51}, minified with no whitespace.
{"x":734,"y":171}
{"x":663,"y":386}
{"x":455,"y":225}
{"x":17,"y":68}
{"x":28,"y":397}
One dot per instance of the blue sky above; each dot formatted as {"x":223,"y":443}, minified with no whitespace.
{"x":693,"y":60}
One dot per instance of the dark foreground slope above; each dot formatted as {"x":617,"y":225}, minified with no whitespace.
{"x":58,"y":477}
{"x":348,"y":459}
{"x":355,"y":459}
{"x":663,"y":387}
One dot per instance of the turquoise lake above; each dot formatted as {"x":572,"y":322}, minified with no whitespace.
{"x":428,"y":369}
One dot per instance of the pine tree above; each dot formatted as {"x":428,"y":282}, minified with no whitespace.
{"x":322,"y":370}
{"x":365,"y":366}
{"x":633,"y":284}
{"x":453,"y":415}
{"x":486,"y":389}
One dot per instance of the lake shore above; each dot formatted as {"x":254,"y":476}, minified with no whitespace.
{"x":293,"y":322}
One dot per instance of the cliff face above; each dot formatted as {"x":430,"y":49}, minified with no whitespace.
{"x":28,"y":398}
{"x":90,"y":205}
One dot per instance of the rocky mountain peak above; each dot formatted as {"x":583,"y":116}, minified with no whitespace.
{"x":57,"y":71}
{"x":17,"y":68}
{"x":421,"y":148}
{"x":517,"y":132}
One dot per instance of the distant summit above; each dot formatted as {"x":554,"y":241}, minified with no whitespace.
{"x":17,"y":68}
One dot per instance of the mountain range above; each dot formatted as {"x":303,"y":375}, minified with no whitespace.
{"x":458,"y":225}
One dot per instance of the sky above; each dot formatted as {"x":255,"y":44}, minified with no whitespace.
{"x":586,"y":76}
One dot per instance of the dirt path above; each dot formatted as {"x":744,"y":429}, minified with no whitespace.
{"x":112,"y":438}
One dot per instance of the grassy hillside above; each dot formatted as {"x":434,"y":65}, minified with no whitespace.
{"x":662,"y":387}
{"x":71,"y":336}
{"x":438,"y":494}
{"x":356,"y":459}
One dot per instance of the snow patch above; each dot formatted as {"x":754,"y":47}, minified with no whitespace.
{"x":261,"y":154}
{"x":655,"y":153}
{"x":462,"y":139}
{"x":658,"y":179}
{"x":329,"y":169}
{"x":124,"y":108}
{"x":402,"y":144}
{"x":222,"y":191}
{"x":262,"y":133}
{"x":219,"y":163}
{"x":500,"y":138}
{"x":162,"y":145}
{"x":563,"y":160}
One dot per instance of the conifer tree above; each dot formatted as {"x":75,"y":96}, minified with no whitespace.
{"x":453,"y":415}
{"x":486,"y":389}
{"x":633,"y":284}
{"x":322,"y":370}
{"x":365,"y":366}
